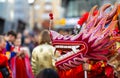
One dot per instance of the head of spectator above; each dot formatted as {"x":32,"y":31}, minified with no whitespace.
{"x":17,"y":42}
{"x":19,"y":35}
{"x":27,"y":40}
{"x":45,"y":37}
{"x":11,"y":36}
{"x":2,"y":43}
{"x":48,"y":73}
{"x":26,"y":33}
{"x":61,"y":31}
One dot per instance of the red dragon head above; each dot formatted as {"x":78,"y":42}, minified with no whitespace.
{"x":92,"y":42}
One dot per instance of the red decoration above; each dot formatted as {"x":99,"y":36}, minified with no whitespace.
{"x":51,"y":16}
{"x":84,"y":17}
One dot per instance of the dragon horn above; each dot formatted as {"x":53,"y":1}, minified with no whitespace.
{"x":91,"y":13}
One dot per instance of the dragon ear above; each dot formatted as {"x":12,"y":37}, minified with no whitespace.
{"x":102,"y":10}
{"x":91,"y":23}
{"x":113,"y":11}
{"x":92,"y":12}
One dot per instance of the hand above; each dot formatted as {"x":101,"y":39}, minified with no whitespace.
{"x":86,"y":66}
{"x":18,"y":54}
{"x":22,"y":53}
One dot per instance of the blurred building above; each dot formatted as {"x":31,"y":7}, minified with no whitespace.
{"x":81,"y":6}
{"x":73,"y":9}
{"x":6,"y":14}
{"x":14,"y":15}
{"x":21,"y":14}
{"x":42,"y":8}
{"x":17,"y":14}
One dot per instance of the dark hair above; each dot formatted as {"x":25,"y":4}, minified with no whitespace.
{"x":12,"y":33}
{"x":48,"y":73}
{"x":45,"y":37}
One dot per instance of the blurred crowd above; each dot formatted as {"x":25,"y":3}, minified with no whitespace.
{"x":19,"y":54}
{"x":28,"y":54}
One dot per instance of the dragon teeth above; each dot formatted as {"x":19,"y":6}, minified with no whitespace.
{"x":60,"y":46}
{"x":65,"y":46}
{"x":69,"y":46}
{"x":57,"y":46}
{"x":74,"y":49}
{"x":77,"y":46}
{"x":64,"y":56}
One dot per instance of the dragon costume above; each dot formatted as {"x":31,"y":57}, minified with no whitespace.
{"x":91,"y":45}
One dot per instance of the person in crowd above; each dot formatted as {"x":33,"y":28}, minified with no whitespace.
{"x":42,"y":54}
{"x":20,"y":64}
{"x":4,"y":67}
{"x":28,"y":43}
{"x":29,"y":40}
{"x":48,"y":73}
{"x":19,"y":35}
{"x":11,"y":36}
